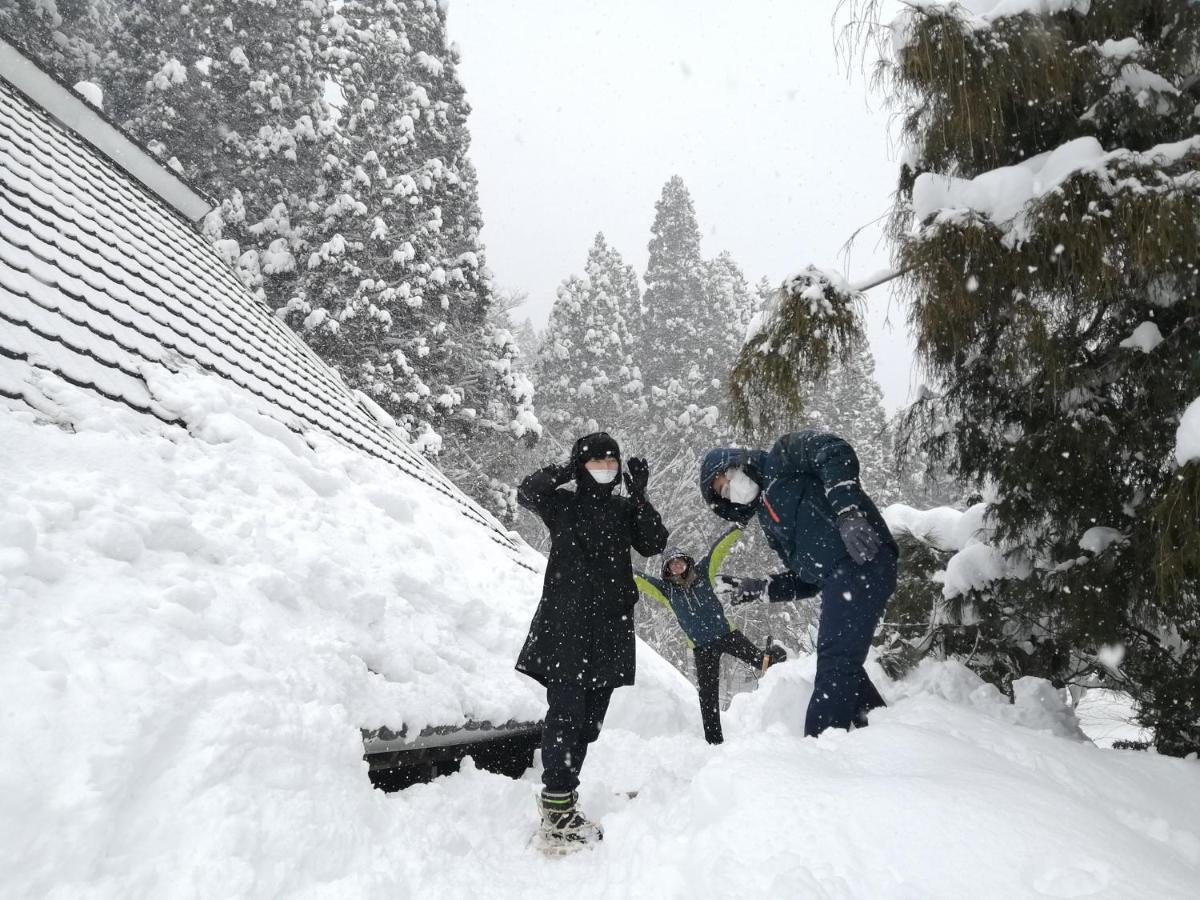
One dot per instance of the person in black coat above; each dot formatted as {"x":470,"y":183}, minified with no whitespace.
{"x":581,"y":643}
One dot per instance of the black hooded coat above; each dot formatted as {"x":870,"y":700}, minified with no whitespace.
{"x":582,"y":631}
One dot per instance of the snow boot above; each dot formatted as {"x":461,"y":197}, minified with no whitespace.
{"x":564,"y":827}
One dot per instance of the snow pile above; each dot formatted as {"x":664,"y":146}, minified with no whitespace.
{"x":195,"y":627}
{"x":975,"y":562}
{"x":943,"y":528}
{"x":1099,"y":538}
{"x":1107,"y":717}
{"x":1187,"y":436}
{"x":952,"y":792}
{"x":1002,"y":194}
{"x":91,"y":92}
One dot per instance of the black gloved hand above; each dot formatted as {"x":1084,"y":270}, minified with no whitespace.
{"x":637,"y":477}
{"x":859,"y":535}
{"x":747,"y":590}
{"x":774,"y":655}
{"x":562,"y":473}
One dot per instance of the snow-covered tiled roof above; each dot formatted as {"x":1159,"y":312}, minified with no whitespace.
{"x":100,"y":278}
{"x":85,"y":120}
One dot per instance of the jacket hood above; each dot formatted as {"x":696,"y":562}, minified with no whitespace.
{"x":718,"y":460}
{"x":678,"y":553}
{"x":598,"y":445}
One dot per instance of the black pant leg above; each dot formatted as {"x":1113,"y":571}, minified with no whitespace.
{"x":708,"y":674}
{"x":738,"y":645}
{"x":565,"y":719}
{"x":869,"y":696}
{"x":595,"y":708}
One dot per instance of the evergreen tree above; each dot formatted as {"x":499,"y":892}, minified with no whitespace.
{"x":693,"y":317}
{"x":1055,"y":300}
{"x":358,"y":220}
{"x":231,"y":95}
{"x":585,"y":374}
{"x":398,"y":291}
{"x":729,"y":307}
{"x":674,"y":331}
{"x":67,"y":36}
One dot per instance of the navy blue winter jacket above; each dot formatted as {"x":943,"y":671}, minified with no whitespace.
{"x":806,"y":481}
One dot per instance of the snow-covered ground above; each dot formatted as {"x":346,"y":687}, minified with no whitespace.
{"x":193,"y":630}
{"x":952,"y":792}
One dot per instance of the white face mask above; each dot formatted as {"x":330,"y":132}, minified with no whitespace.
{"x":603,"y":476}
{"x":739,"y":487}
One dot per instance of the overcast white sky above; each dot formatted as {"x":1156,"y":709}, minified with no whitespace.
{"x":583,"y":108}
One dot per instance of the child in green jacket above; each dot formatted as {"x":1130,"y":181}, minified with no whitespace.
{"x":688,"y":589}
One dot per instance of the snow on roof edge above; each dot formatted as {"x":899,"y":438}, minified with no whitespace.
{"x":43,"y":88}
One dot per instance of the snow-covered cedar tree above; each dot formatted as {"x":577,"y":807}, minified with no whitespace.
{"x":232,"y":96}
{"x":1053,"y":290}
{"x":583,"y":370}
{"x":67,"y":36}
{"x":333,"y":138}
{"x":1046,"y":223}
{"x":812,"y":321}
{"x":398,"y":292}
{"x":585,"y":374}
{"x":693,"y":314}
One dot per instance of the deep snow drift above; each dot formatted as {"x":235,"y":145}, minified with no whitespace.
{"x":189,"y":636}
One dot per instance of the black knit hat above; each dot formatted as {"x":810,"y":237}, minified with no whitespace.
{"x":600,"y":445}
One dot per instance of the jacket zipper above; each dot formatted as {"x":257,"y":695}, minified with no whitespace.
{"x":770,"y":509}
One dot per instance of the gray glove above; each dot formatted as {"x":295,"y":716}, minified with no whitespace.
{"x":860,"y":537}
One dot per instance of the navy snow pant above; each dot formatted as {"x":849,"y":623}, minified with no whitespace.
{"x":852,"y":603}
{"x":573,"y":721}
{"x":708,"y":675}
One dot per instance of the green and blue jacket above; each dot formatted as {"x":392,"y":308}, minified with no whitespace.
{"x":693,"y":598}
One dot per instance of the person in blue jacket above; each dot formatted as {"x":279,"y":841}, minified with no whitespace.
{"x":806,"y":495}
{"x":688,"y":589}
